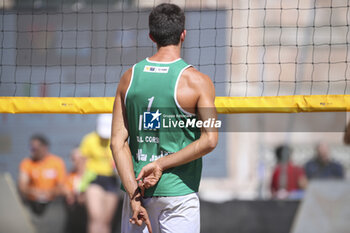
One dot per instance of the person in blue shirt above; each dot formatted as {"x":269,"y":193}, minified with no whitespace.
{"x":322,"y":166}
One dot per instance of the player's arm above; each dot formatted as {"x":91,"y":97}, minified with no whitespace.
{"x":119,"y":141}
{"x":122,"y":154}
{"x":151,"y":173}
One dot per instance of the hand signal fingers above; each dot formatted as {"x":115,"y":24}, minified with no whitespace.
{"x":146,"y":184}
{"x":135,"y":219}
{"x":141,"y":175}
{"x":147,"y":222}
{"x":149,"y":182}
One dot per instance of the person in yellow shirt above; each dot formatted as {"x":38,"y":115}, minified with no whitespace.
{"x":100,"y":181}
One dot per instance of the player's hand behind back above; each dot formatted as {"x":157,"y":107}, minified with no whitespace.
{"x":140,"y":214}
{"x":149,"y":176}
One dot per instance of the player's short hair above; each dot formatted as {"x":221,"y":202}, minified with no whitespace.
{"x":41,"y":138}
{"x":166,"y":23}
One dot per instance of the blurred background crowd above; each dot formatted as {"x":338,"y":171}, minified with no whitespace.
{"x":82,"y":194}
{"x":88,"y":190}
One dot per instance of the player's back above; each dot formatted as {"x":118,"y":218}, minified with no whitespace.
{"x":158,"y":126}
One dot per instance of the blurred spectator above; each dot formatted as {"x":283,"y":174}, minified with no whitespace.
{"x":100,"y":179}
{"x":76,"y":216}
{"x":41,"y":176}
{"x":288,"y":180}
{"x":322,"y":166}
{"x":73,"y":179}
{"x":40,"y":181}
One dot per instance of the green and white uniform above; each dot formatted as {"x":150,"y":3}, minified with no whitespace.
{"x":153,"y":87}
{"x":152,"y":90}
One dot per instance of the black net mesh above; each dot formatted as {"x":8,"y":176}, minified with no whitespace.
{"x":248,"y":47}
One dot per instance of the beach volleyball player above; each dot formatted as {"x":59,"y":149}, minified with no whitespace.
{"x":160,"y":167}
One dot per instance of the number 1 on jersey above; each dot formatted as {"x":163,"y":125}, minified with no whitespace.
{"x":150,"y":101}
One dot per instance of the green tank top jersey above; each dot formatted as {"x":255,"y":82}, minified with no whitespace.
{"x":151,"y":106}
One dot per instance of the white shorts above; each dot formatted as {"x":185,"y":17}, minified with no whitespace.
{"x":167,"y":214}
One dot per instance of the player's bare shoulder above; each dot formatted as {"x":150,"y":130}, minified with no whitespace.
{"x":197,"y":81}
{"x":125,"y":82}
{"x":195,"y":78}
{"x":192,"y":85}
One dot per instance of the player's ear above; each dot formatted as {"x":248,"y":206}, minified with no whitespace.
{"x":183,"y":35}
{"x":151,"y":37}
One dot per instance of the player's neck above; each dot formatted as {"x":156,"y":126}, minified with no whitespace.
{"x":167,"y":53}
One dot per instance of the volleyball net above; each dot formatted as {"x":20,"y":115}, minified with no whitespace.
{"x":263,"y":56}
